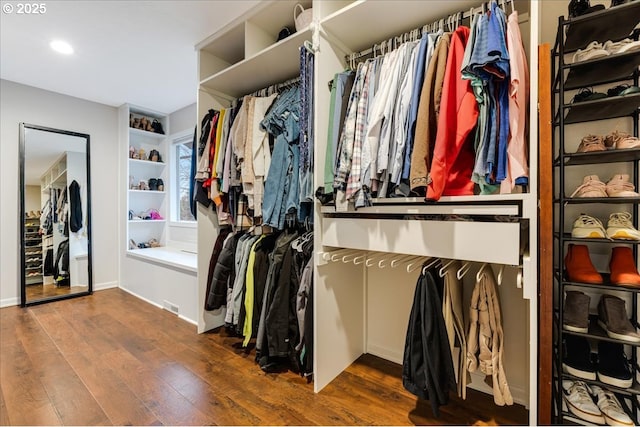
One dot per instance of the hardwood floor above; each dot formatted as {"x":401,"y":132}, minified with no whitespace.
{"x":39,"y":291}
{"x":111,"y":358}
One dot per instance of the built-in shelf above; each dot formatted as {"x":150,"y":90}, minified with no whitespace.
{"x":600,"y":157}
{"x":147,"y":221}
{"x":149,"y":163}
{"x":601,"y":109}
{"x":149,"y":136}
{"x":277,"y":63}
{"x":599,"y":71}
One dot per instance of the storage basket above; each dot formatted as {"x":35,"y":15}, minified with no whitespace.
{"x":303,"y":18}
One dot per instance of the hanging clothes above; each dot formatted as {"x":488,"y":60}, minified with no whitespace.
{"x":453,"y":156}
{"x":219,"y":267}
{"x":485,"y":345}
{"x":428,"y":115}
{"x":427,"y":367}
{"x":454,"y":323}
{"x":518,"y":169}
{"x":75,"y":216}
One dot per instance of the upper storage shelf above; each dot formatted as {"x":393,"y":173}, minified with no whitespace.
{"x":610,"y":24}
{"x":602,"y":70}
{"x":599,"y":157}
{"x":281,"y":63}
{"x":352,"y":24}
{"x":233,"y":61}
{"x":600,"y":109}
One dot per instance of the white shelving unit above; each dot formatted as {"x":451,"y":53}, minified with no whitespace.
{"x":143,"y":169}
{"x":357,"y":312}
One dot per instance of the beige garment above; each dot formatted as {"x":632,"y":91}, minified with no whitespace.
{"x":260,"y":152}
{"x":248,"y":175}
{"x":454,"y":323}
{"x":485,"y":345}
{"x":428,"y":111}
{"x":238,"y":133}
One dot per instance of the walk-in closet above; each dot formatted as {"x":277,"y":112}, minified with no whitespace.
{"x":368,"y":260}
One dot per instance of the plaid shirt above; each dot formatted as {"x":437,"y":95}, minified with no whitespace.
{"x":347,"y":139}
{"x":354,"y":184}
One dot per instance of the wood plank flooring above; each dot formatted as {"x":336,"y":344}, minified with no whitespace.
{"x":112,"y":359}
{"x":39,"y":291}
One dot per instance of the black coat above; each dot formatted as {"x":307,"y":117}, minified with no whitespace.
{"x":75,"y":211}
{"x":213,"y":301}
{"x":427,"y":367}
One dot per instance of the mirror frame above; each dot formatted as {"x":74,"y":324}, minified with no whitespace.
{"x":22,"y":213}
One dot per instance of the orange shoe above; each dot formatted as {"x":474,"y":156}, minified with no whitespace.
{"x":623,"y":268}
{"x":579,"y":267}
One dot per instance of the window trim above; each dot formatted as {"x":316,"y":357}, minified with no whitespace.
{"x":175,"y":139}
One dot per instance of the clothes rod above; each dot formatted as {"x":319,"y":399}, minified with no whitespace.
{"x":451,"y":19}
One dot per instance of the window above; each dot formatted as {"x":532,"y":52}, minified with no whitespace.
{"x":181,"y":203}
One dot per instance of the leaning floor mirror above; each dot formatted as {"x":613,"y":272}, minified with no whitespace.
{"x":55,"y":212}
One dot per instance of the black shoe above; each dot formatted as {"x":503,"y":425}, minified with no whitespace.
{"x":613,"y":366}
{"x":160,"y":184}
{"x":577,"y":358}
{"x":153,"y":184}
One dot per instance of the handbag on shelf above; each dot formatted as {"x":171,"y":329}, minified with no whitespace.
{"x":157,"y":127}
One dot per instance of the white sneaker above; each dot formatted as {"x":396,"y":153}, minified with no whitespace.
{"x":626,"y":45}
{"x":588,"y":227}
{"x":579,"y":401}
{"x":620,"y":227}
{"x":611,"y":409}
{"x":592,"y":51}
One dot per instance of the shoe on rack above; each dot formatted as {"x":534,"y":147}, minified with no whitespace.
{"x":576,"y":395}
{"x":576,"y":312}
{"x":592,"y":51}
{"x":619,"y":226}
{"x":628,"y":143}
{"x":610,"y":407}
{"x":577,"y":358}
{"x":613,"y":365}
{"x":588,"y":227}
{"x":611,"y":140}
{"x":626,"y":45}
{"x":620,"y":186}
{"x":591,"y":187}
{"x":622,"y":90}
{"x":586,"y":94}
{"x":623,"y":268}
{"x":591,"y":143}
{"x":612,"y":317}
{"x":579,"y":266}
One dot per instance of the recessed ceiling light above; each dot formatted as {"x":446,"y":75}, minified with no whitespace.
{"x":61,"y":47}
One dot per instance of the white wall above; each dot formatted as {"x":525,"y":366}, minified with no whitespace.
{"x":183,"y":119}
{"x":31,"y":199}
{"x":20,"y":103}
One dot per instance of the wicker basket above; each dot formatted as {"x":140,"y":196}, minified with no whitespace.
{"x":303,"y":18}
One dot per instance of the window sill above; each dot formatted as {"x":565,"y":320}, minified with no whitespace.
{"x":168,"y":256}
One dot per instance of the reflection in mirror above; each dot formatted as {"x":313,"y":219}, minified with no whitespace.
{"x":56,"y":249}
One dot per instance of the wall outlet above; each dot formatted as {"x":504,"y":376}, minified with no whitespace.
{"x":169,"y":306}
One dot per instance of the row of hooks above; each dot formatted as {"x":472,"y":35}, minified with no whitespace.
{"x":411,"y":263}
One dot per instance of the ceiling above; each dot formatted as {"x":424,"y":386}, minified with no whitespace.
{"x":137,"y":52}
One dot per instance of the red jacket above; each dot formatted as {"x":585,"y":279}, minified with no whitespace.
{"x":453,"y":156}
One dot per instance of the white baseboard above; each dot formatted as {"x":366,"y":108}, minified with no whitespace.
{"x":105,"y":285}
{"x":180,"y":316}
{"x":8,"y":302}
